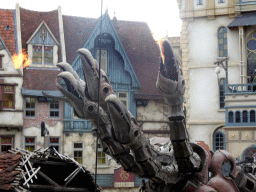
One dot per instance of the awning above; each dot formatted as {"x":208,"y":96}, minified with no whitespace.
{"x":245,"y":19}
{"x":38,"y":93}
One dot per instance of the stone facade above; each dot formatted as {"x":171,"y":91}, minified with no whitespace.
{"x":199,"y":44}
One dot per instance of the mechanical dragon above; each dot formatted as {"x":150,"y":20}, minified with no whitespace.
{"x":185,"y":166}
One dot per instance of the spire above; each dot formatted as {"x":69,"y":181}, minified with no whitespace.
{"x":114,"y":18}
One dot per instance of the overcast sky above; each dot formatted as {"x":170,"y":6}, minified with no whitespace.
{"x":161,"y":15}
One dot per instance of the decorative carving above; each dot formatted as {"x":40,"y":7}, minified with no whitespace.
{"x":246,"y":135}
{"x":233,"y":135}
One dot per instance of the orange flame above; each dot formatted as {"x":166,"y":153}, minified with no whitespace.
{"x":20,"y":59}
{"x":159,"y":43}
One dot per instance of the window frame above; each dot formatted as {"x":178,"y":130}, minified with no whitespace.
{"x":102,"y":156}
{"x":78,"y":149}
{"x":200,"y":2}
{"x":30,"y":144}
{"x":253,"y":146}
{"x":251,"y":63}
{"x":10,"y":93}
{"x":221,"y":1}
{"x":30,"y":109}
{"x":42,"y":54}
{"x":223,"y":142}
{"x":12,"y":141}
{"x":55,"y":144}
{"x":122,"y":98}
{"x":218,"y":37}
{"x":54,"y":109}
{"x":105,"y":66}
{"x":30,"y":56}
{"x":222,"y":89}
{"x":1,"y":61}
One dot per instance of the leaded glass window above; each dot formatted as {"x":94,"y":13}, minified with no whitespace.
{"x":101,"y":158}
{"x":42,"y":54}
{"x":104,"y":59}
{"x":245,"y":116}
{"x":252,"y":116}
{"x":123,"y":97}
{"x":54,"y":142}
{"x":251,"y":55}
{"x":30,"y":106}
{"x":238,"y":117}
{"x":54,"y":108}
{"x":30,"y":143}
{"x":223,"y":42}
{"x":37,"y":54}
{"x":6,"y":143}
{"x":222,"y":93}
{"x":78,"y":152}
{"x":230,"y":117}
{"x":219,"y":141}
{"x":249,"y":152}
{"x":48,"y":55}
{"x":8,"y":97}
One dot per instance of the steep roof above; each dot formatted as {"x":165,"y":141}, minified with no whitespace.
{"x":40,"y":79}
{"x":30,"y":20}
{"x":7,"y":29}
{"x":137,"y":41}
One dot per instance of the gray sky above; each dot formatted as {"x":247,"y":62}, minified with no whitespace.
{"x":161,"y":15}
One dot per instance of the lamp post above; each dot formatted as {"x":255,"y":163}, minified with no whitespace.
{"x":225,"y":67}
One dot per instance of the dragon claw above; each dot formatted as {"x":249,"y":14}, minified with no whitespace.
{"x":120,"y":118}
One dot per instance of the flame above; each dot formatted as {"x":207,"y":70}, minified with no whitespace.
{"x":159,"y":43}
{"x":20,"y":59}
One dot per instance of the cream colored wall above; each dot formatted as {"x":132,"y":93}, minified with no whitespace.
{"x":18,"y":95}
{"x":54,"y":131}
{"x":15,"y":133}
{"x":152,"y":113}
{"x":7,"y":64}
{"x":89,"y":152}
{"x":199,"y":44}
{"x":12,"y":117}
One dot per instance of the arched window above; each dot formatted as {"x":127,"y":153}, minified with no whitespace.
{"x":249,"y":152}
{"x":245,"y":116}
{"x":219,"y":141}
{"x":252,"y":116}
{"x":251,"y":55}
{"x":238,"y":117}
{"x":230,"y":117}
{"x":222,"y":93}
{"x":222,"y":42}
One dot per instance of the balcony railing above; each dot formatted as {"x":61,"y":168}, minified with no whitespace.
{"x":240,"y":110}
{"x":249,"y":88}
{"x":77,"y":125}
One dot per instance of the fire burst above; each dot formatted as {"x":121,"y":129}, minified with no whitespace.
{"x":159,"y":41}
{"x":20,"y":59}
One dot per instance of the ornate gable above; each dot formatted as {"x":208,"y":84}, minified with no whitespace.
{"x":109,"y":30}
{"x":43,"y":35}
{"x":43,"y":47}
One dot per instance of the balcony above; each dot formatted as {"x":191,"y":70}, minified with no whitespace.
{"x":76,"y":125}
{"x":240,"y":104}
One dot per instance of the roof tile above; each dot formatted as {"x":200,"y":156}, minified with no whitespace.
{"x":7,"y":34}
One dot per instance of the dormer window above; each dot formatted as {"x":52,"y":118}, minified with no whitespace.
{"x":43,"y":47}
{"x":42,"y":54}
